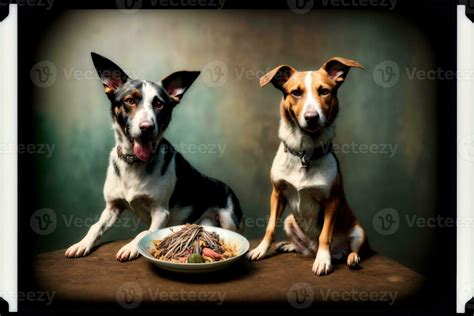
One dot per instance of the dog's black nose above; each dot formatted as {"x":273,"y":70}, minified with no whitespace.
{"x":311,"y":117}
{"x":146,"y":126}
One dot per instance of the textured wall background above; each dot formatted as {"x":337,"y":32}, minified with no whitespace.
{"x":226,"y":110}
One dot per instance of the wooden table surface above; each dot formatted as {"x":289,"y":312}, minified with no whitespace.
{"x":286,"y":279}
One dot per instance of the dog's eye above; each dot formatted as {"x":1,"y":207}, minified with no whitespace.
{"x":130,"y":101}
{"x":157,"y":105}
{"x":324,"y":91}
{"x":296,"y":93}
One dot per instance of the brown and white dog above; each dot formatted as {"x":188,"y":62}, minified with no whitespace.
{"x":305,"y":173}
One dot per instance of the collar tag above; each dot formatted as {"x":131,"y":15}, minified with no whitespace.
{"x":305,"y":158}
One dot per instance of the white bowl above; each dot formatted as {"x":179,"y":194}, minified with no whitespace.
{"x":230,"y":237}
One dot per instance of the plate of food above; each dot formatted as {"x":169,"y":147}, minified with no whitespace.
{"x":193,"y":248}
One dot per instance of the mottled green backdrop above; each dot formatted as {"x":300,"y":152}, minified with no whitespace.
{"x":226,"y":125}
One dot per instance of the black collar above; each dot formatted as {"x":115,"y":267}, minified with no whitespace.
{"x":306,"y":156}
{"x":130,"y":159}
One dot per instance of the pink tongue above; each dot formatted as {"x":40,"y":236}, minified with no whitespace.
{"x":142,"y":151}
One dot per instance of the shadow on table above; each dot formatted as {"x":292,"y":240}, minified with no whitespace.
{"x":239,"y":270}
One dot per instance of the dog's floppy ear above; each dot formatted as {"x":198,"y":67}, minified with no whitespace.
{"x":277,"y":76}
{"x":337,"y":68}
{"x":178,"y":82}
{"x":112,"y":76}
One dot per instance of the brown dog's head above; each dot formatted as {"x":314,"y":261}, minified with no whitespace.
{"x":310,"y":97}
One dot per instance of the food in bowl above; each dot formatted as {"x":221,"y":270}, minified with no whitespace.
{"x":192,"y":244}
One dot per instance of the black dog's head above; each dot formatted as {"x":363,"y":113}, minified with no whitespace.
{"x":142,"y":109}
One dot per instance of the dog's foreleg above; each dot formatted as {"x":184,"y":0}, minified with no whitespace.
{"x":356,"y":240}
{"x":106,"y":221}
{"x":322,"y":264}
{"x":277,"y":206}
{"x":159,"y":219}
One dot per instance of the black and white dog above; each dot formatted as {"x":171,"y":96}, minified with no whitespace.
{"x":145,"y":174}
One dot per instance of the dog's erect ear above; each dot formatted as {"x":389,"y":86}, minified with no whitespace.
{"x":337,"y":68}
{"x":112,"y":76}
{"x":178,"y":82}
{"x":277,"y":76}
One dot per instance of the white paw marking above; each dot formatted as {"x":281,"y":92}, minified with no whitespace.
{"x":127,"y":252}
{"x":322,"y":264}
{"x":259,"y":252}
{"x":80,"y":249}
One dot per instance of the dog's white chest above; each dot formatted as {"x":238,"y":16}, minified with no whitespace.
{"x":135,"y":184}
{"x":304,"y":189}
{"x":154,"y":186}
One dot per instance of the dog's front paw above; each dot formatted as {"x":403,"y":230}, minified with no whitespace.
{"x":80,"y":249}
{"x":353,"y":260}
{"x":285,"y":246}
{"x":322,"y":264}
{"x":259,"y":252}
{"x":127,"y":252}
